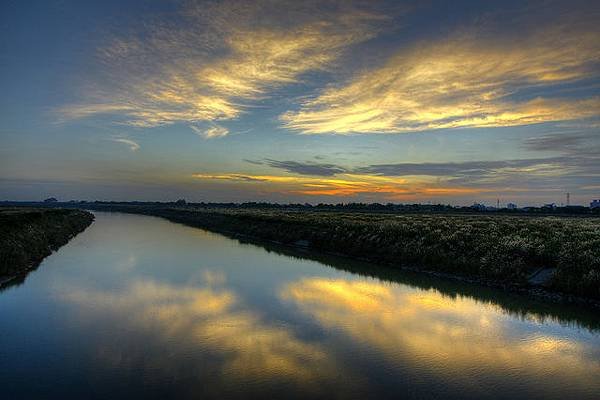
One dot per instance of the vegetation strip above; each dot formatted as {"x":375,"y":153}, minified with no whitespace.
{"x":28,"y":235}
{"x":497,"y":250}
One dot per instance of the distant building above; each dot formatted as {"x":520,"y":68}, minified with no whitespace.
{"x":479,"y":207}
{"x":511,"y":206}
{"x":595,"y":204}
{"x":51,"y":200}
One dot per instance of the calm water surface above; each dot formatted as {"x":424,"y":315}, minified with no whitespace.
{"x":140,"y":307}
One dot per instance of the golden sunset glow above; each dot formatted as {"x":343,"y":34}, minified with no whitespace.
{"x":188,"y":83}
{"x":313,"y":199}
{"x":308,"y":101}
{"x":212,"y":316}
{"x":461,"y":82}
{"x":407,"y":187}
{"x":343,"y":185}
{"x":428,"y":330}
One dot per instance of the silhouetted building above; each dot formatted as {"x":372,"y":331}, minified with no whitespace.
{"x":478,"y":207}
{"x":511,"y":206}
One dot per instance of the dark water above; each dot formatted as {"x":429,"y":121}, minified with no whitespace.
{"x":140,"y":307}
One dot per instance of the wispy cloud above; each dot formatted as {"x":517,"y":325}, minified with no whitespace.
{"x":306,"y":168}
{"x":216,"y":57}
{"x":467,"y":168}
{"x":570,"y":169}
{"x":555,"y":142}
{"x":346,"y":184}
{"x":133,"y":146}
{"x":212,"y":132}
{"x":469,"y":80}
{"x":475,"y":170}
{"x":580,"y":144}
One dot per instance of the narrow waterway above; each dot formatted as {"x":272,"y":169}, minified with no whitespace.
{"x":137,"y":306}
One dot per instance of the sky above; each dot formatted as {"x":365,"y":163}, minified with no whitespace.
{"x":300,"y":101}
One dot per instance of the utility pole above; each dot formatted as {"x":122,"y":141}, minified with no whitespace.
{"x":568,"y":199}
{"x":498,"y":204}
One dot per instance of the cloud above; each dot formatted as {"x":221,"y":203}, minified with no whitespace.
{"x":242,"y":177}
{"x":579,"y":158}
{"x":255,"y":162}
{"x":552,"y":166}
{"x":213,"y":58}
{"x":580,"y":144}
{"x":133,"y":146}
{"x":571,"y":169}
{"x":307,"y":168}
{"x":215,"y":131}
{"x":343,"y":185}
{"x":556,"y":142}
{"x":468,"y":80}
{"x":449,"y":169}
{"x":465,"y":168}
{"x":535,"y":174}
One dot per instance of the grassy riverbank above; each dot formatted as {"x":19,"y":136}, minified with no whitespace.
{"x":505,"y":250}
{"x":28,"y":235}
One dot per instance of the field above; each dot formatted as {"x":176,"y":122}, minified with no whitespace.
{"x":28,"y":235}
{"x":494,"y":248}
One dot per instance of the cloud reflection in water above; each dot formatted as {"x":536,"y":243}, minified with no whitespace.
{"x":214,"y":320}
{"x":447,"y":337}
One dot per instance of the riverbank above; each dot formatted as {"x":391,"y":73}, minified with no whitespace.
{"x":499,"y":251}
{"x":28,"y":235}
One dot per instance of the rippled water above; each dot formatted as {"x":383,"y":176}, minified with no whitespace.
{"x":138,"y":306}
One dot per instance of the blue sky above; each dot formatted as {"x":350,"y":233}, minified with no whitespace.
{"x":316,"y":101}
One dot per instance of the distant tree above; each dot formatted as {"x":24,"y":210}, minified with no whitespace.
{"x":181,"y":202}
{"x":51,"y":200}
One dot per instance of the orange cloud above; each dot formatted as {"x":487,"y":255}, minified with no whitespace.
{"x":345,"y":185}
{"x":465,"y":81}
{"x":172,"y":74}
{"x":450,"y":191}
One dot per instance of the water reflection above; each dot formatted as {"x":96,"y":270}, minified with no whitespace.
{"x":520,"y":306}
{"x":212,"y":317}
{"x":459,"y":337}
{"x":138,"y":307}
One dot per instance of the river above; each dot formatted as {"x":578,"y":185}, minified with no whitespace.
{"x":137,"y":306}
